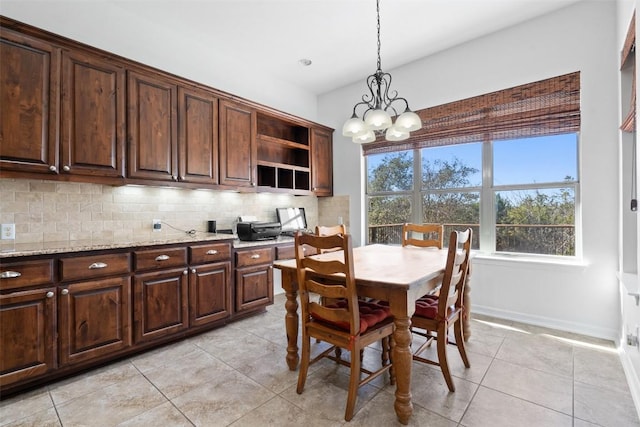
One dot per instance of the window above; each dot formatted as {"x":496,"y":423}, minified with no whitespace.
{"x":504,"y":163}
{"x":527,"y":201}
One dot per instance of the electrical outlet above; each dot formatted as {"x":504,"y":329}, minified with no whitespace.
{"x":157,"y":225}
{"x":8,"y":231}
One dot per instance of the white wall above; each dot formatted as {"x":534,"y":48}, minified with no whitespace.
{"x":106,"y":26}
{"x":581,"y":298}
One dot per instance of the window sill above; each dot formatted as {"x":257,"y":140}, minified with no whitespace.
{"x":530,"y":260}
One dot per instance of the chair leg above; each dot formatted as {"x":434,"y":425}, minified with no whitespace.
{"x":392,"y":373}
{"x":354,"y":382}
{"x":457,"y":329}
{"x":304,"y":362}
{"x":442,"y":355}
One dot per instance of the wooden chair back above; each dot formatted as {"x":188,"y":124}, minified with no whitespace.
{"x":331,"y":230}
{"x":310,"y":274}
{"x":432,"y":235}
{"x":455,"y":274}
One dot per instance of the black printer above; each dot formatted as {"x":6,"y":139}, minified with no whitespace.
{"x":258,"y":230}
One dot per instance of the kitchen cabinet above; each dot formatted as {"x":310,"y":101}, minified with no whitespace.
{"x":94,"y":306}
{"x":28,"y":331}
{"x":197,"y":136}
{"x":238,"y":149}
{"x":254,"y":278}
{"x":321,"y":162}
{"x":209,"y":283}
{"x":93,"y":116}
{"x":29,"y":95}
{"x":161,"y":294}
{"x":152,"y":121}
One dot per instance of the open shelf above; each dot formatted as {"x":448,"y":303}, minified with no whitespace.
{"x":282,"y":176}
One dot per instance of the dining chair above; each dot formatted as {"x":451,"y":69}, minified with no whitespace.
{"x":436,"y":314}
{"x":331,"y":230}
{"x":350,"y":324}
{"x":432,"y":235}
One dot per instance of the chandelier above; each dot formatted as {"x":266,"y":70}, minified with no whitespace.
{"x":377,"y":105}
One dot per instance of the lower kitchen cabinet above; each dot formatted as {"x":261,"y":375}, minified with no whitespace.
{"x":209,"y":293}
{"x":27,"y":331}
{"x":94,"y":319}
{"x":254,"y":278}
{"x":160,"y":304}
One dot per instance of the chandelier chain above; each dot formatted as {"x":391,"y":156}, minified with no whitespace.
{"x":378,"y":13}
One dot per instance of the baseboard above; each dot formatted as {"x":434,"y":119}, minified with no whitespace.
{"x":547,"y":322}
{"x":632,"y":376}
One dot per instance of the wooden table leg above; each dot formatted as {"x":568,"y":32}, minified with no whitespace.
{"x":402,"y":360}
{"x":291,"y":319}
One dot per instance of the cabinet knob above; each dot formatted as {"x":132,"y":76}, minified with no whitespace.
{"x":64,"y":291}
{"x":53,"y":168}
{"x":162,"y":257}
{"x":255,"y":256}
{"x":212,"y":252}
{"x":97,"y":265}
{"x":174,"y":177}
{"x":66,"y":168}
{"x":253,"y":184}
{"x":193,"y":270}
{"x":50,"y":294}
{"x":185,"y":272}
{"x":9,"y":274}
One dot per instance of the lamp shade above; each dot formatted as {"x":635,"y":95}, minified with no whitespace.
{"x":369,"y":136}
{"x":395,"y":134}
{"x":354,"y":127}
{"x":377,"y":119}
{"x":408,"y":122}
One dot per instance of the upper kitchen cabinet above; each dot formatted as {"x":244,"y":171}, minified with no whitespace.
{"x":93,"y":116}
{"x":29,"y":95}
{"x":238,"y":150}
{"x":153,"y":127}
{"x":322,"y":162}
{"x":283,"y":155}
{"x":197,"y":136}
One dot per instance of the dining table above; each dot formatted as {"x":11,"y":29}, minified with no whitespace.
{"x":393,"y":273}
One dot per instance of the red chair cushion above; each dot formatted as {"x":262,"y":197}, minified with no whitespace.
{"x":427,"y":306}
{"x":370,"y":315}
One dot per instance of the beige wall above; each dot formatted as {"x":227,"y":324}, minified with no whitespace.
{"x":48,"y":211}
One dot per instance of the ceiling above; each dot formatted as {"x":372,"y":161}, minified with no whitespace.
{"x":338,"y":36}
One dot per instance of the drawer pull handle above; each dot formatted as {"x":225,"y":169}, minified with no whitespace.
{"x":212,"y":252}
{"x":97,"y":265}
{"x":255,"y":256}
{"x":9,"y":274}
{"x":64,"y":291}
{"x":50,"y":294}
{"x":162,"y":257}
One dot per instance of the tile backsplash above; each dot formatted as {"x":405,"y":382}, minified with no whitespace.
{"x":48,"y":211}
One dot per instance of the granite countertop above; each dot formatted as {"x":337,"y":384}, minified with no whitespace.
{"x":51,"y":248}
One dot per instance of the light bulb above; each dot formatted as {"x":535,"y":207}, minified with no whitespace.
{"x":408,"y":121}
{"x":369,"y":136}
{"x":354,"y":127}
{"x":377,"y":119}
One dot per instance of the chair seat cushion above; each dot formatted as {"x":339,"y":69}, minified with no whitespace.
{"x":427,"y":306}
{"x":370,"y":315}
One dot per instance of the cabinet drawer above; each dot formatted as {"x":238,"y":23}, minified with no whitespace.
{"x":210,"y":253}
{"x":88,"y":267}
{"x":289,"y":252}
{"x":160,"y":258}
{"x":254,"y":257}
{"x":26,"y":273}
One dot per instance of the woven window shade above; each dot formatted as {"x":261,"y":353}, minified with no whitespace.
{"x":627,"y":59}
{"x":547,"y":107}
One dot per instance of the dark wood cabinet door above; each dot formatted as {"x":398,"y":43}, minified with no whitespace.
{"x":197,"y":136}
{"x":152,"y":135}
{"x":94,"y":319}
{"x":160,"y":304}
{"x":238,"y":149}
{"x":321,"y":162}
{"x":29,"y":98}
{"x":27,"y":335}
{"x":93,"y":116}
{"x":254,"y":287}
{"x":209,"y":293}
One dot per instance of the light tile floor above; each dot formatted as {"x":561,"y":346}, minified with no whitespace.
{"x":520,"y":375}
